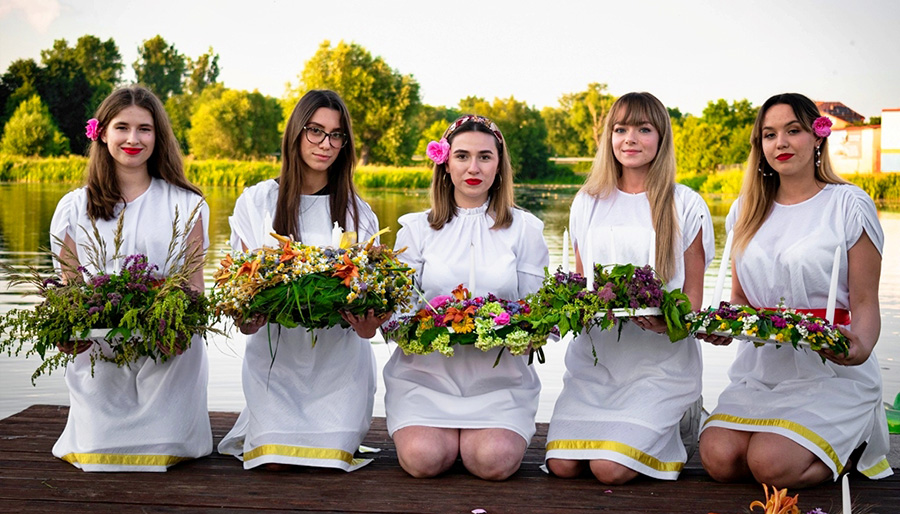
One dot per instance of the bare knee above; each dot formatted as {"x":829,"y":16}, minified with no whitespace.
{"x":565,"y":468}
{"x":424,"y":454}
{"x":782,"y":463}
{"x":724,"y":458}
{"x":612,"y":473}
{"x":492,"y":454}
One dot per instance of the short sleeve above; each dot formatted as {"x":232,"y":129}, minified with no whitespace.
{"x":368,"y":221}
{"x":251,"y":221}
{"x":204,"y":218}
{"x":532,"y":255}
{"x":576,"y":219}
{"x":732,"y":216}
{"x":861,"y":216}
{"x":65,"y":218}
{"x":695,"y":217}
{"x":410,"y":239}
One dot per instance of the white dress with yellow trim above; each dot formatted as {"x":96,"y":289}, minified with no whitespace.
{"x":628,"y":406}
{"x":306,"y":405}
{"x":466,"y":391}
{"x":147,"y":416}
{"x":828,"y":409}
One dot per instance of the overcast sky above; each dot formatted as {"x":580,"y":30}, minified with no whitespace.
{"x":685,"y":52}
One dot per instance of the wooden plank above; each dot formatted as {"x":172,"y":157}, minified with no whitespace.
{"x":32,"y":480}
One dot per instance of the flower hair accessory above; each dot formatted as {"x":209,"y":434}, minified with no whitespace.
{"x":92,"y":129}
{"x":438,"y":151}
{"x":822,"y":126}
{"x":481,"y":120}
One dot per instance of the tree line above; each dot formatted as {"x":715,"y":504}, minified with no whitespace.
{"x":44,"y":106}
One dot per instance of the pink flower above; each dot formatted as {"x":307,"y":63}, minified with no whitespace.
{"x":822,"y":126}
{"x":439,"y":301}
{"x":438,"y":151}
{"x":502,"y":318}
{"x":92,"y":130}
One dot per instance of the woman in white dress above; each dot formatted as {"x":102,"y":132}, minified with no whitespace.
{"x":307,"y":404}
{"x":787,"y":418}
{"x":148,"y":415}
{"x":620,"y":417}
{"x":441,"y":408}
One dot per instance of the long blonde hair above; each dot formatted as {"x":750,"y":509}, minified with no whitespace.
{"x":761,"y":181}
{"x":635,"y":109}
{"x":501,"y":195}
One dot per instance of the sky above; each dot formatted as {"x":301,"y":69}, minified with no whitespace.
{"x":686,"y":52}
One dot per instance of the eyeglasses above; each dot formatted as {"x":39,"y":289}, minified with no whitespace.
{"x":315,"y":135}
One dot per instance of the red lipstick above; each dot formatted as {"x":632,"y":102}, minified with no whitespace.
{"x":784,"y":156}
{"x":131,"y":151}
{"x":473,"y":181}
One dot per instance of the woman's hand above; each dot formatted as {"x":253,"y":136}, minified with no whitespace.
{"x":714,"y":339}
{"x":653,"y":323}
{"x":177,"y":348}
{"x":74,"y":347}
{"x":857,"y":353}
{"x":252,"y":324}
{"x":365,"y":326}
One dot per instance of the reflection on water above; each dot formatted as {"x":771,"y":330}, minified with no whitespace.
{"x":26,"y":210}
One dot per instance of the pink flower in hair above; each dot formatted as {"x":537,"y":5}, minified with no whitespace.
{"x":438,"y":151}
{"x":92,"y":129}
{"x":822,"y":126}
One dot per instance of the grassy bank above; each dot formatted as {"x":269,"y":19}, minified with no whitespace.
{"x":882,"y":186}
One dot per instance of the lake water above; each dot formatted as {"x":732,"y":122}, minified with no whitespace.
{"x":26,"y":210}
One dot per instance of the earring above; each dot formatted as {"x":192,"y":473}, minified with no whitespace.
{"x":762,"y":171}
{"x":818,"y":157}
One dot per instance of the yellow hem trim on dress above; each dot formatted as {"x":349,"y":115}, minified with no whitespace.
{"x":797,"y":428}
{"x":300,"y":452}
{"x":117,"y":459}
{"x":615,"y":446}
{"x":876,"y":469}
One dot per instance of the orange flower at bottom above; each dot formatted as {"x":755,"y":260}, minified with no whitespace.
{"x":346,"y":271}
{"x":778,"y":503}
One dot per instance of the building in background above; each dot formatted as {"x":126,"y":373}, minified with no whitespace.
{"x":858,"y":148}
{"x":890,"y":140}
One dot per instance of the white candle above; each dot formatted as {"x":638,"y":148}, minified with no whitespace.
{"x":613,"y":258}
{"x":832,"y":290}
{"x":723,"y":267}
{"x":845,"y":494}
{"x":336,"y":234}
{"x":472,"y":270}
{"x":267,"y":229}
{"x":652,"y":259}
{"x":116,"y":265}
{"x":565,"y":250}
{"x":589,"y":261}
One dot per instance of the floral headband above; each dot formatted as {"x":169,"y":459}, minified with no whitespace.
{"x":92,"y":129}
{"x":439,"y":151}
{"x":822,"y":126}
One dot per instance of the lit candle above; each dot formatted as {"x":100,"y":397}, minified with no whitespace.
{"x":472,"y":270}
{"x":589,"y":261}
{"x":723,"y":267}
{"x":832,"y":290}
{"x":845,"y":494}
{"x":336,"y":234}
{"x":652,"y":259}
{"x":565,"y":250}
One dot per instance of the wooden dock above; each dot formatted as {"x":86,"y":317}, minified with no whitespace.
{"x":33,"y":481}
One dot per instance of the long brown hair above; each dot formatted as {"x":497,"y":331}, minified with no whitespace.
{"x":761,"y":181}
{"x":501,"y":196}
{"x":340,"y":188}
{"x":634,"y":109}
{"x":165,"y":162}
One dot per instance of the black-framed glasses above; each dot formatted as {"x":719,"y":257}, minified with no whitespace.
{"x":315,"y":135}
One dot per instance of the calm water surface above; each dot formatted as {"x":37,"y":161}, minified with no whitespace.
{"x":26,"y":210}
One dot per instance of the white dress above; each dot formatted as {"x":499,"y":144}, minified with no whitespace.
{"x":147,"y":416}
{"x":465,"y":390}
{"x":828,"y":409}
{"x":310,"y":405}
{"x":628,"y":406}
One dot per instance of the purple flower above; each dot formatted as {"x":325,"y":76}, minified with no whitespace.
{"x":95,"y":310}
{"x":778,"y":321}
{"x":100,"y":280}
{"x":606,"y":293}
{"x":162,"y":325}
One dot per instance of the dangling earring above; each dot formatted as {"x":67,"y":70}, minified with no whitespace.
{"x":818,"y":157}
{"x":761,"y":170}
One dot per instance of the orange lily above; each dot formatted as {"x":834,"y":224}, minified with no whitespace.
{"x":460,"y":293}
{"x":461,"y":320}
{"x":249,"y":268}
{"x":346,"y":271}
{"x":226,"y":262}
{"x":778,"y":502}
{"x":288,"y":253}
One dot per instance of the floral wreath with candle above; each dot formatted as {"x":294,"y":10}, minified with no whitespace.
{"x":439,"y":151}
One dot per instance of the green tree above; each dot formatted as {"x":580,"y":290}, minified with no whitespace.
{"x":32,"y":131}
{"x":738,"y":114}
{"x":160,"y":67}
{"x":699,"y":145}
{"x":574,"y":128}
{"x":236,"y":125}
{"x":202,"y":72}
{"x":383,"y":103}
{"x":430,"y":124}
{"x":524,"y":133}
{"x":64,"y":87}
{"x":101,"y":63}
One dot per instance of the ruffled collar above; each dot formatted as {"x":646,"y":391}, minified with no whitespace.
{"x":474,"y":211}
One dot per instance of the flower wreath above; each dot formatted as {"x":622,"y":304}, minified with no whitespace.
{"x":439,"y":151}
